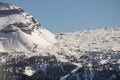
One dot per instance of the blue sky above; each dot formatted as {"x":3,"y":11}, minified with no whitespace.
{"x":72,"y":15}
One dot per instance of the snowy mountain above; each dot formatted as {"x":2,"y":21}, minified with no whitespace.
{"x":92,"y":40}
{"x":96,"y":53}
{"x":80,"y":55}
{"x":20,"y":32}
{"x":66,"y":60}
{"x":75,"y":44}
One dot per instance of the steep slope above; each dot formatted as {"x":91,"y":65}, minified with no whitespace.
{"x":74,"y":44}
{"x":20,"y":32}
{"x":68,"y":60}
{"x":98,"y":51}
{"x":81,"y":55}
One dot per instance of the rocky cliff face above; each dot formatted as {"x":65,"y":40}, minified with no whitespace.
{"x":20,"y":32}
{"x":30,"y":52}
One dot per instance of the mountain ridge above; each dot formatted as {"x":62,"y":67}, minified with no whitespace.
{"x":28,"y":51}
{"x":20,"y":32}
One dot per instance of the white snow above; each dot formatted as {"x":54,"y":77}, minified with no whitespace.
{"x":5,"y":6}
{"x":72,"y":72}
{"x":28,"y":71}
{"x":92,"y":40}
{"x":64,"y":46}
{"x":104,"y":61}
{"x":19,"y":41}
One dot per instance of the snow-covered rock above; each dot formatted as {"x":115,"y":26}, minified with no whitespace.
{"x":80,"y":55}
{"x":28,"y":71}
{"x":103,"y":39}
{"x":20,"y":32}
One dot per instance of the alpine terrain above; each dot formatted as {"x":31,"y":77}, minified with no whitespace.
{"x":20,"y":32}
{"x":28,"y":51}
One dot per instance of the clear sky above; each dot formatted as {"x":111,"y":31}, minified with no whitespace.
{"x":72,"y":15}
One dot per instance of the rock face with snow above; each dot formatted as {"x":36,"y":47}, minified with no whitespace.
{"x":81,"y":55}
{"x":103,"y":39}
{"x":20,"y":32}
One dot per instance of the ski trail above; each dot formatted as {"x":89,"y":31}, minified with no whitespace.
{"x":72,"y":72}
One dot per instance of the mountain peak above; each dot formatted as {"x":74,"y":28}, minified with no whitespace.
{"x":20,"y":32}
{"x":5,"y":6}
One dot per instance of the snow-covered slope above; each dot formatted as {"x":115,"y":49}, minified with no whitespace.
{"x":80,"y":55}
{"x":91,"y":40}
{"x":74,"y":44}
{"x":20,"y":32}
